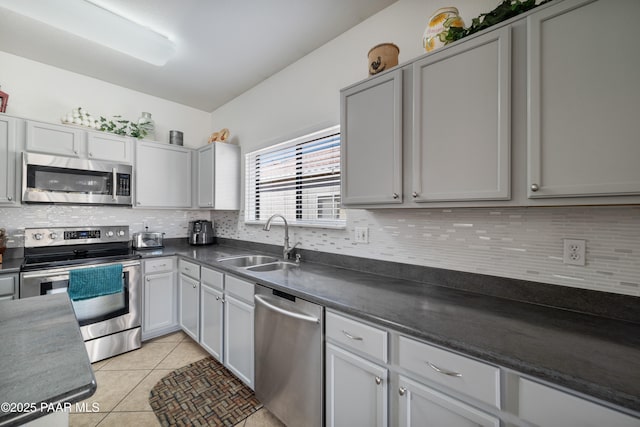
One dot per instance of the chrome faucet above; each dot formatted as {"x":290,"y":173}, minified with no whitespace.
{"x":286,"y":250}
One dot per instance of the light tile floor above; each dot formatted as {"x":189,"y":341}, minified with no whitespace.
{"x":124,"y":383}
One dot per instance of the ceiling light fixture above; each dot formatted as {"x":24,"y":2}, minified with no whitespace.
{"x":92,"y":22}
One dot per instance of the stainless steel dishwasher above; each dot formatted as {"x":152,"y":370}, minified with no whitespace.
{"x":289,"y":358}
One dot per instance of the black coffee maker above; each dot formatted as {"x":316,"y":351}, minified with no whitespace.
{"x":200,"y":232}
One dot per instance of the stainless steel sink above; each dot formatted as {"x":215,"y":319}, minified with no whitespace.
{"x":247,"y":260}
{"x":274,"y":266}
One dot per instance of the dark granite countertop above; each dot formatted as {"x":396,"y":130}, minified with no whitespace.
{"x":42,"y":356}
{"x":593,"y":355}
{"x":10,"y":265}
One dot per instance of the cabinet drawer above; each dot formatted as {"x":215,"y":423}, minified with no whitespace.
{"x":158,"y":265}
{"x":212,"y":278}
{"x":468,"y":376}
{"x":357,"y":335}
{"x":189,"y":269}
{"x":240,"y":288}
{"x":7,"y":285}
{"x":546,"y":406}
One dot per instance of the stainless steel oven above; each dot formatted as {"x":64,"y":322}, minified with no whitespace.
{"x":56,"y":179}
{"x":110,"y":324}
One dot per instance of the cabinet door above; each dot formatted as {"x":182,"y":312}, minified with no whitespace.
{"x":163,"y":175}
{"x":211,"y":320}
{"x":54,"y":139}
{"x":160,"y":305}
{"x":583,"y":90}
{"x":206,"y":172}
{"x":548,"y":407}
{"x":461,"y":127}
{"x":227,"y":177}
{"x":423,"y":406}
{"x":238,"y":339}
{"x":371,"y":141}
{"x":8,"y":287}
{"x":356,"y":390}
{"x":104,"y":146}
{"x":8,"y":161}
{"x":189,"y":305}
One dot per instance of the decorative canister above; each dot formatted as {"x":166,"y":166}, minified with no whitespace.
{"x":175,"y":137}
{"x":146,"y":122}
{"x":439,"y":24}
{"x":382,"y":57}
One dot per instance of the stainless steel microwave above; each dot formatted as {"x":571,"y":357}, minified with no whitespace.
{"x":57,"y":179}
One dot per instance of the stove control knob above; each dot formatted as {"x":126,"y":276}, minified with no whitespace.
{"x":53,"y":236}
{"x":121,"y":233}
{"x":38,"y":236}
{"x":109,"y":233}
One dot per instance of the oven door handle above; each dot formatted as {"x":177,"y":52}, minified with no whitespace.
{"x":47,"y":276}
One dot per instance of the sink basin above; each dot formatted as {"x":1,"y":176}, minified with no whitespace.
{"x":274,"y":266}
{"x":247,"y":260}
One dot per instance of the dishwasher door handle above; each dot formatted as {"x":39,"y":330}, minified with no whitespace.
{"x":273,"y":307}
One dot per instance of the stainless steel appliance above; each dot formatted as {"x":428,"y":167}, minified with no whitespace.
{"x":110,"y":324}
{"x":288,"y":357}
{"x":56,"y":179}
{"x":200,"y":232}
{"x":147,"y":240}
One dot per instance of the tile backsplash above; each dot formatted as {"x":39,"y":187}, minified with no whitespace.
{"x":522,"y":243}
{"x":172,"y":222}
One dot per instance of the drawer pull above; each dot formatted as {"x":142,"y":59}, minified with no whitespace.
{"x":402,"y":391}
{"x":351,"y":337}
{"x":443,"y":371}
{"x":378,"y":380}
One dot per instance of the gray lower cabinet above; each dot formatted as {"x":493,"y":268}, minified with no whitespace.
{"x":356,"y":390}
{"x":8,"y":159}
{"x":189,"y":291}
{"x":212,"y":312}
{"x":239,"y":328}
{"x":219,"y":176}
{"x":424,"y":406}
{"x":8,"y":286}
{"x":371,"y":141}
{"x":583,"y":122}
{"x":160,"y":297}
{"x":162,"y":175}
{"x":461,"y":122}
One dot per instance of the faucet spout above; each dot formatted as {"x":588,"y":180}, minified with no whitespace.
{"x":286,"y":250}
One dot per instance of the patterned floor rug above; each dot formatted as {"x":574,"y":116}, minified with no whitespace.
{"x":203,"y":393}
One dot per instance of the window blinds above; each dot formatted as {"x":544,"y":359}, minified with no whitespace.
{"x":299,"y":179}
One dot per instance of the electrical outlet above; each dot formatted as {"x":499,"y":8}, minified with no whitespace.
{"x":574,"y":251}
{"x":362,"y":235}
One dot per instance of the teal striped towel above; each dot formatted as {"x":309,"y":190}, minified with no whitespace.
{"x":93,"y":282}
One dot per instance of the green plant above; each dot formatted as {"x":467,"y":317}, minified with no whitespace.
{"x":505,"y":10}
{"x":124,"y":127}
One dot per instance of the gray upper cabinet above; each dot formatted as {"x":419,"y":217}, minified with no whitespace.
{"x":461,"y":121}
{"x":371,"y":141}
{"x":583,"y":122}
{"x":219,"y":176}
{"x":162,"y":175}
{"x":106,"y":146}
{"x":8,"y":159}
{"x":54,"y":139}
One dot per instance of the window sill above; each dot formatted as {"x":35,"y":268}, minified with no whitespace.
{"x":301,"y":225}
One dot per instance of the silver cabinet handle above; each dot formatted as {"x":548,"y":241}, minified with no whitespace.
{"x":137,"y":203}
{"x":402,"y":391}
{"x":535,"y":187}
{"x":217,"y":298}
{"x":90,"y":154}
{"x":443,"y":371}
{"x":194,"y":286}
{"x":414,"y":195}
{"x":395,"y":195}
{"x":148,"y":279}
{"x":223,"y":300}
{"x":351,"y":337}
{"x":75,"y":151}
{"x":9,"y":198}
{"x":378,"y":380}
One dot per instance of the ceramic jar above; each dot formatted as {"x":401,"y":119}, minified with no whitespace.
{"x":382,"y":57}
{"x":148,"y":124}
{"x":439,"y":24}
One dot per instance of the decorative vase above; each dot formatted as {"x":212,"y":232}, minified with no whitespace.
{"x":435,"y":34}
{"x":382,"y":57}
{"x":146,"y":122}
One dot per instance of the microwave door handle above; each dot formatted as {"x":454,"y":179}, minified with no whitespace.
{"x":114,"y":183}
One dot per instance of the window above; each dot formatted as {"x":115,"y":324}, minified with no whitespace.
{"x":299,"y":179}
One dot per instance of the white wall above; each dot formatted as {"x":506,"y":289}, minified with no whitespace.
{"x":42,"y":92}
{"x":523,"y":243}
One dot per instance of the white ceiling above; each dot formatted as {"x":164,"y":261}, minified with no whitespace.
{"x":224,"y":47}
